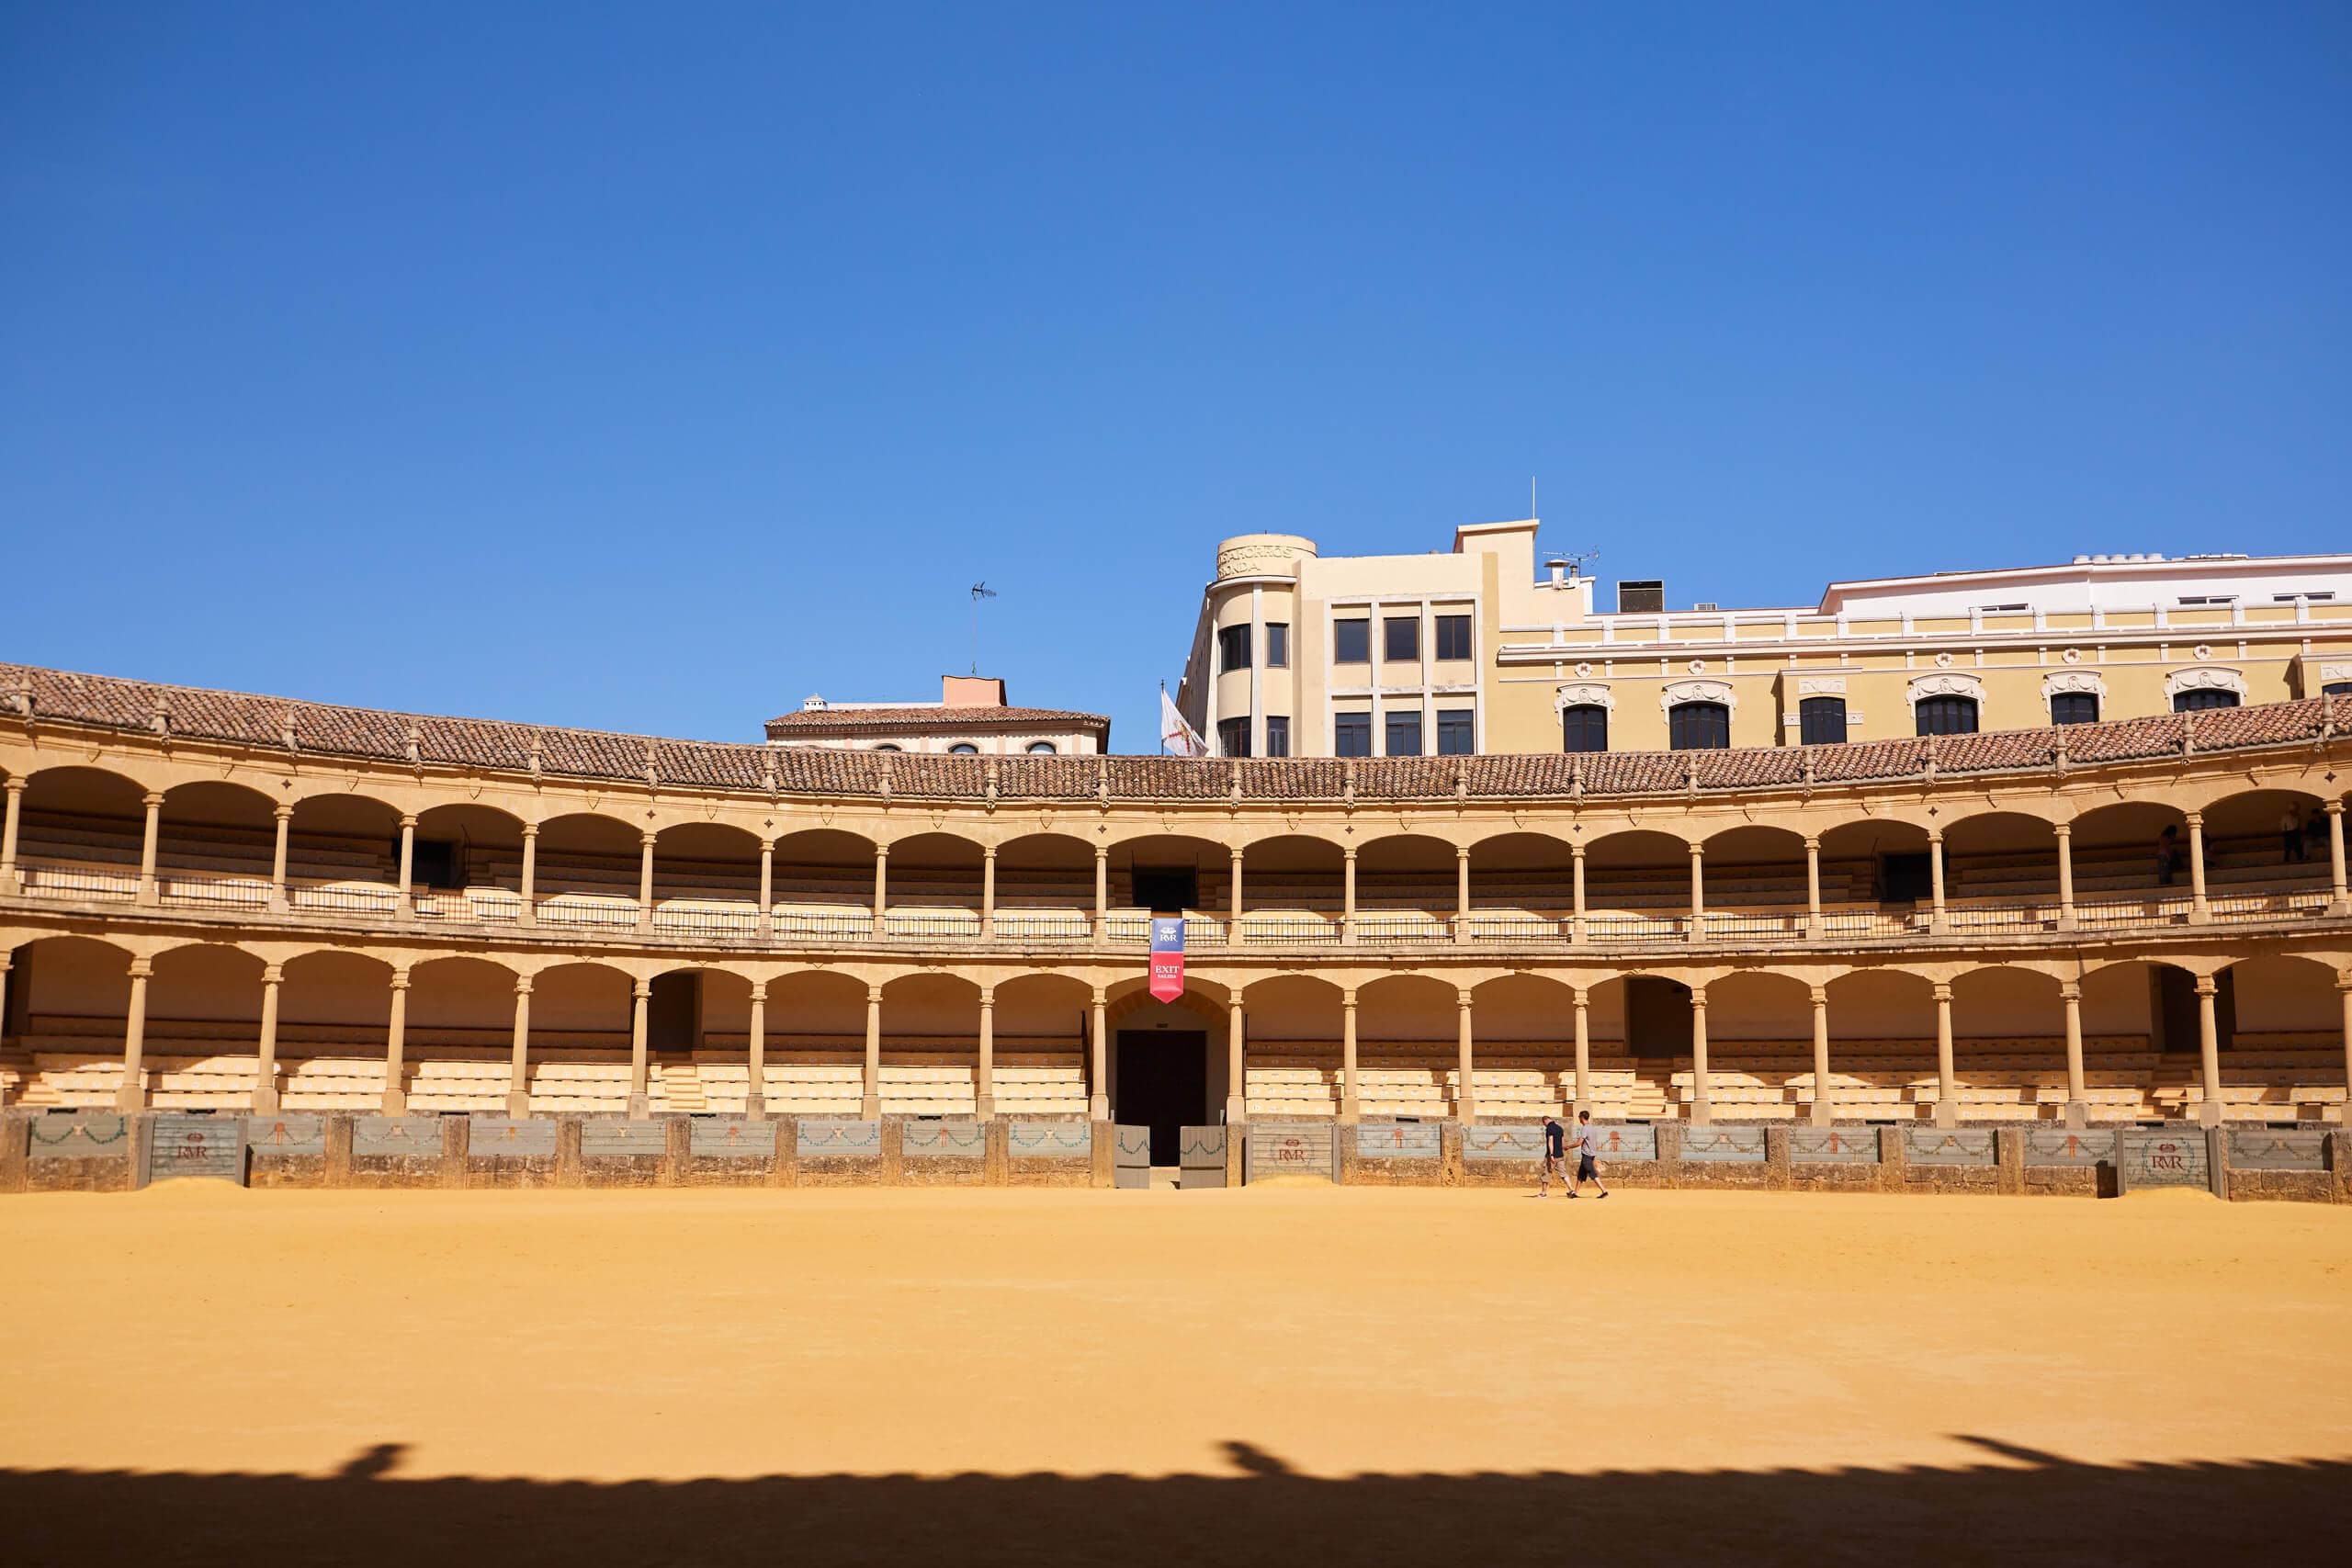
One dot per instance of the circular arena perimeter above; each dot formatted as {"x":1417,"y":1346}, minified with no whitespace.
{"x":218,"y":902}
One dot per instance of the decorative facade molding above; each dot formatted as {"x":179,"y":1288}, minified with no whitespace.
{"x":1680,"y":692}
{"x":1821,"y":685}
{"x":1945,"y":686}
{"x":2331,"y":673}
{"x":2205,"y":678}
{"x":2073,"y":681}
{"x":1583,"y":694}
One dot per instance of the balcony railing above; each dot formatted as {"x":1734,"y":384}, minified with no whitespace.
{"x":739,"y":925}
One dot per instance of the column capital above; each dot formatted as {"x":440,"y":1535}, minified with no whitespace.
{"x":18,"y":781}
{"x":767,"y":846}
{"x":1697,"y":849}
{"x":759,"y":990}
{"x":2207,"y":986}
{"x":988,"y":996}
{"x":1236,"y":850}
{"x":642,"y":989}
{"x":408,"y":821}
{"x":2332,"y":808}
{"x":1461,"y":851}
{"x":1812,"y":843}
{"x":273,"y":974}
{"x":284,"y":812}
{"x":521,"y":984}
{"x":2064,"y":829}
{"x":1102,"y":852}
{"x":1943,"y":993}
{"x":882,"y":852}
{"x":1347,"y":851}
{"x":1575,"y":851}
{"x":1820,"y":995}
{"x":988,"y":851}
{"x":1100,"y":996}
{"x":873,"y":995}
{"x":2070,"y":991}
{"x":1461,"y":997}
{"x":152,"y":800}
{"x":1579,"y":997}
{"x":648,"y":837}
{"x":530,"y":830}
{"x":2195,"y":820}
{"x":1348,"y":997}
{"x":142,"y":968}
{"x":1935,"y":833}
{"x":400,"y":980}
{"x":1698,"y":999}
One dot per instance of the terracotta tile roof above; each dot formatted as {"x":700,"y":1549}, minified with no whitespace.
{"x":56,"y":696}
{"x":879,"y":717}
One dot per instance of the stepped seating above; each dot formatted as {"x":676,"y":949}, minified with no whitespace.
{"x":1300,"y":1078}
{"x":16,"y":1067}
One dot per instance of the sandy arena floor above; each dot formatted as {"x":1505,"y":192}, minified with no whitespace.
{"x":199,"y":1373}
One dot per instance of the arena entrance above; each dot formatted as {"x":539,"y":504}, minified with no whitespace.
{"x":1160,"y":1080}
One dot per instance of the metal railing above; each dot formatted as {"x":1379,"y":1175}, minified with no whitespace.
{"x":1377,"y":929}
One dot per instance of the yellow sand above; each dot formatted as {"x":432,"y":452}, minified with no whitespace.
{"x":620,"y":1335}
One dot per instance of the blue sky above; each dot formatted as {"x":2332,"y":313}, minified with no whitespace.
{"x":651,"y":367}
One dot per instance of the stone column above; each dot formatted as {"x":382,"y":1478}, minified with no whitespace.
{"x":1347,"y":1098}
{"x":645,"y":883}
{"x":285,"y":815}
{"x":987,"y":893}
{"x":2200,"y":909}
{"x":1812,"y":886}
{"x":2341,"y":898}
{"x":1098,"y":1084}
{"x":408,"y":865}
{"x":1582,"y":999}
{"x":640,"y":1101}
{"x":1946,"y":1082}
{"x":518,"y":1080}
{"x":870,"y":1098}
{"x":1102,"y":891}
{"x":1701,"y":1112}
{"x":984,"y":1080}
{"x":148,"y":892}
{"x":266,"y":1098}
{"x":2078,"y":1108}
{"x":1460,"y":893}
{"x":2209,"y":1050}
{"x":1576,"y":870}
{"x":1233,"y":936}
{"x":1824,"y":1099}
{"x":1348,"y":895}
{"x":2344,"y":988}
{"x":1465,"y":1097}
{"x":2065,"y":832}
{"x":755,"y":1102}
{"x":132,"y":1095}
{"x":1236,"y":1061}
{"x":7,"y":960}
{"x":529,"y":913}
{"x":1936,"y":877}
{"x":768,"y":889}
{"x":396,"y":1048}
{"x":15,"y":788}
{"x":881,"y":890}
{"x":1698,"y":893}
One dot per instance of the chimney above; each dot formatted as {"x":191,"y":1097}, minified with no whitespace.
{"x":971,"y":692}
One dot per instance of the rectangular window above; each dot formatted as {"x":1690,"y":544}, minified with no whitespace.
{"x":1277,"y":735}
{"x":1404,"y":729}
{"x":1233,"y":647}
{"x":1277,"y":644}
{"x":1233,"y":736}
{"x":2073,"y":707}
{"x":1401,"y":638}
{"x":1454,"y":636}
{"x":1456,"y":732}
{"x":1351,"y":733}
{"x":1821,"y":721}
{"x":1584,"y":727}
{"x":1351,"y":642}
{"x":1698,"y":727}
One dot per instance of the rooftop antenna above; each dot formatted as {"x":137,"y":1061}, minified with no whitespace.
{"x":979,"y":591}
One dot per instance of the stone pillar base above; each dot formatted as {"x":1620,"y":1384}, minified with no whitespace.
{"x":1098,"y":1108}
{"x":519,"y":1105}
{"x":870,"y":1108}
{"x":1947,"y":1113}
{"x":1700,"y":1113}
{"x":755,"y":1104}
{"x":395,"y":1102}
{"x":983,"y":1107}
{"x":1237,"y":1112}
{"x":129,"y":1098}
{"x":2079,"y":1115}
{"x":640,"y":1106}
{"x":1350,"y":1113}
{"x":266,"y":1102}
{"x":2209,"y":1113}
{"x":1821,"y":1114}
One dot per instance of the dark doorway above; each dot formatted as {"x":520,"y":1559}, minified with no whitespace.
{"x":1657,"y":1015}
{"x":1905,"y":879}
{"x":1163,"y":1078}
{"x":2172,"y":1010}
{"x":1167,"y":889}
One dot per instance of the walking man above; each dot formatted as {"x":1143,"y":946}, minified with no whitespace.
{"x":1587,"y":1145}
{"x":1555,"y":1147}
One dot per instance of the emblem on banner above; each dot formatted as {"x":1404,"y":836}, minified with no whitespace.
{"x":1167,"y":957}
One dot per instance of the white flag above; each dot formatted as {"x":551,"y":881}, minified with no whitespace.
{"x":1175,"y":735}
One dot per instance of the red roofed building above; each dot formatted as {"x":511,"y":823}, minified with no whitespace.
{"x":971,"y":716}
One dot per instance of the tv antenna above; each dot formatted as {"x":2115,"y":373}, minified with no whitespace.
{"x":979,"y":591}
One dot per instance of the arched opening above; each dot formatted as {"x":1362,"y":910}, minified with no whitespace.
{"x":67,"y":1011}
{"x":343,"y":854}
{"x":1170,"y":873}
{"x":2286,"y":1059}
{"x":79,"y":834}
{"x":1293,"y":1025}
{"x":583,"y":1022}
{"x":824,"y":884}
{"x":587,"y":872}
{"x":1044,"y":887}
{"x":1521,"y":884}
{"x":465,"y":863}
{"x":1408,"y":1029}
{"x":1868,"y":865}
{"x":2001,"y":872}
{"x":2148,"y":1015}
{"x":215,"y":844}
{"x":1755,"y":882}
{"x":1637,"y":887}
{"x":1292,"y":889}
{"x":698,"y":1034}
{"x":1760,"y":1045}
{"x":930,"y":1044}
{"x":460,"y":1047}
{"x":203,"y":1044}
{"x":1881,"y":1043}
{"x":2266,"y":853}
{"x":934,"y":887}
{"x":1168,"y":1065}
{"x":334,"y":1012}
{"x":1041,"y":1024}
{"x":1522,"y":1029}
{"x":1406,"y":889}
{"x":2009,"y":1045}
{"x":816,"y":1047}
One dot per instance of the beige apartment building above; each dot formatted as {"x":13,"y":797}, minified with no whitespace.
{"x":1479,"y":651}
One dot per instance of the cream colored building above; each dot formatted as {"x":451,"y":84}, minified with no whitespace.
{"x":972,"y":717}
{"x":1479,"y":651}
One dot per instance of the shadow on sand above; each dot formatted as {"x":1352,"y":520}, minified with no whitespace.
{"x":2028,"y":1509}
